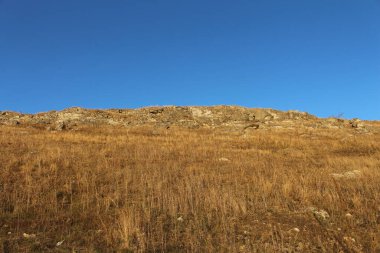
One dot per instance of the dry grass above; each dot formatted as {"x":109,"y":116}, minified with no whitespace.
{"x":156,"y":190}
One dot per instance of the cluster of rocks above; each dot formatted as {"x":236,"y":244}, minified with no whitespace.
{"x":228,"y":117}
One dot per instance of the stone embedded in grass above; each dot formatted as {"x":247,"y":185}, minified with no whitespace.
{"x":348,"y":216}
{"x":320,"y":214}
{"x":297,"y":230}
{"x":29,"y":236}
{"x":347,"y":175}
{"x":349,"y":239}
{"x":224,"y":159}
{"x":180,"y":219}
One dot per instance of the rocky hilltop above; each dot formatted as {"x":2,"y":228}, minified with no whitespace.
{"x":224,"y":117}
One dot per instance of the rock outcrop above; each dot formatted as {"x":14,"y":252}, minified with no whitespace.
{"x":234,"y":118}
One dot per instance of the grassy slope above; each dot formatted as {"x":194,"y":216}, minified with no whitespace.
{"x":145,"y":190}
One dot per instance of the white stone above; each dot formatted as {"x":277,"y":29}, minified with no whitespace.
{"x":297,"y":230}
{"x":223,"y":159}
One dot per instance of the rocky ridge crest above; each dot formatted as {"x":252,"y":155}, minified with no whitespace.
{"x":225,"y":117}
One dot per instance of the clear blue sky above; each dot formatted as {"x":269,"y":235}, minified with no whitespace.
{"x":320,"y":56}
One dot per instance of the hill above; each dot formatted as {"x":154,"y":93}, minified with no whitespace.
{"x":188,"y":179}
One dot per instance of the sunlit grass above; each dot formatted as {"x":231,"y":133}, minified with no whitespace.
{"x":167,"y":190}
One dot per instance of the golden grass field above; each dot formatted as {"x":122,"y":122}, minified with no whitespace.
{"x":109,"y":189}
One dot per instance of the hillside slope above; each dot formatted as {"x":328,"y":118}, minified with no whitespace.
{"x":188,"y":179}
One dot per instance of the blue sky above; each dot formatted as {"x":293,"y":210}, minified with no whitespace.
{"x":319,"y":56}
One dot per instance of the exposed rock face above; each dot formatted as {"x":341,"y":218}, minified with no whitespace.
{"x":232,"y":118}
{"x":356,"y":123}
